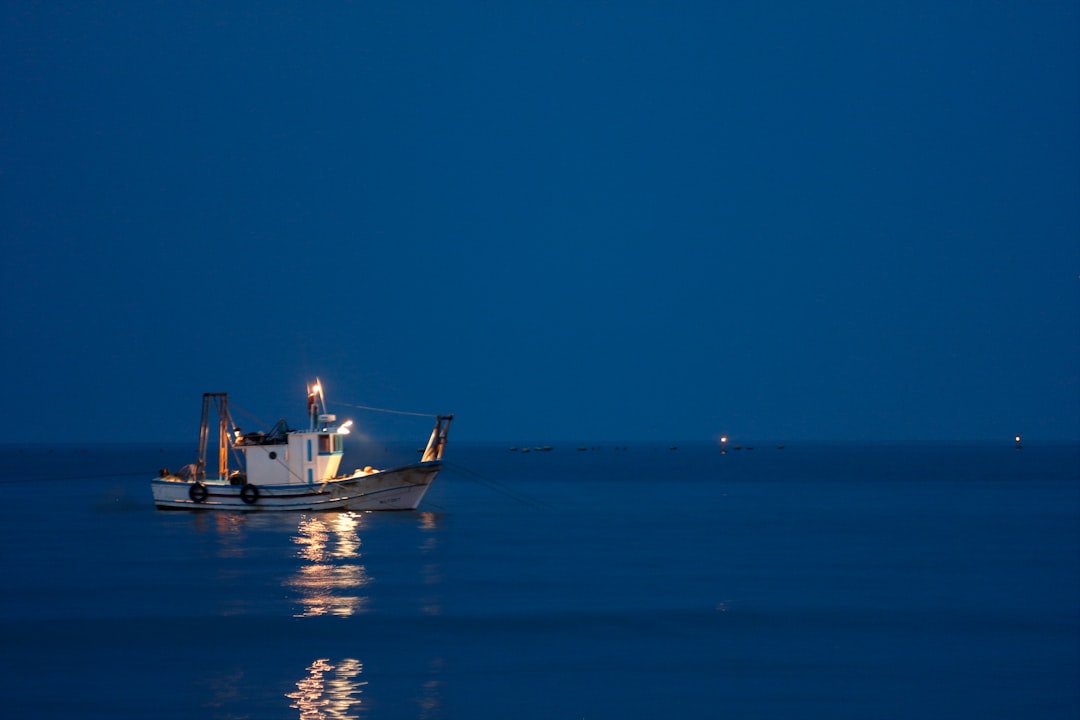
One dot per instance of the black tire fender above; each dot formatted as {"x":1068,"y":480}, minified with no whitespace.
{"x":198,"y":492}
{"x":249,"y":494}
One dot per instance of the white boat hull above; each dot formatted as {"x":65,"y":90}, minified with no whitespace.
{"x":397,"y":489}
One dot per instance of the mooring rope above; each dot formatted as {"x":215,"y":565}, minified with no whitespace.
{"x":385,"y":410}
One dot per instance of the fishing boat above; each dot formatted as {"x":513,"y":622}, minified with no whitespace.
{"x":286,"y":469}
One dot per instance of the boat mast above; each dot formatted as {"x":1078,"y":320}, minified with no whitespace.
{"x":437,"y":441}
{"x":220,"y":401}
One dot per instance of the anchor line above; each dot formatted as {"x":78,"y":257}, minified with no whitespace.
{"x":386,"y":410}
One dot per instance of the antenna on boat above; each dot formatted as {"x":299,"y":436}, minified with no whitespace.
{"x":315,"y":399}
{"x":312,"y":407}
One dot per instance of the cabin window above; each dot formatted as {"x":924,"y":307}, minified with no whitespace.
{"x":330,"y":444}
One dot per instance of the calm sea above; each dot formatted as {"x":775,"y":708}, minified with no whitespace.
{"x":638,"y":582}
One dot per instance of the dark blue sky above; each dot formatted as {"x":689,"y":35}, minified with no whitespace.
{"x":622,"y":221}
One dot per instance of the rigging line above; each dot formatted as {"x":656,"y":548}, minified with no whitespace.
{"x":233,"y":407}
{"x":385,"y":410}
{"x":498,"y":486}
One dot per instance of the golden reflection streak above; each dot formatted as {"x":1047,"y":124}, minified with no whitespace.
{"x":322,"y":540}
{"x":332,"y":691}
{"x":428,"y":521}
{"x":320,"y":697}
{"x":345,"y":527}
{"x":228,"y":530}
{"x":430,"y":700}
{"x":430,"y":572}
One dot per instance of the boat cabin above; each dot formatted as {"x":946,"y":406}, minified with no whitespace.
{"x":305,"y":457}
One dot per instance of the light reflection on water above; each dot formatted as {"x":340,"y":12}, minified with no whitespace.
{"x":333,"y":690}
{"x":330,"y":577}
{"x":430,"y":572}
{"x":430,"y":699}
{"x":327,"y":582}
{"x":228,"y":528}
{"x":329,"y":690}
{"x":326,"y":574}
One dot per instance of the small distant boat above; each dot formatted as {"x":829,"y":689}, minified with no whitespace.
{"x":288,"y":469}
